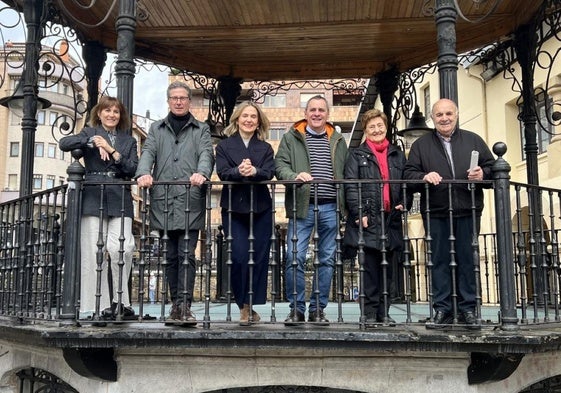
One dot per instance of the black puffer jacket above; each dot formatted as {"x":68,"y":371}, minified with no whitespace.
{"x":428,"y":155}
{"x":362,"y":164}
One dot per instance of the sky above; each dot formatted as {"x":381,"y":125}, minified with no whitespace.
{"x":150,"y":82}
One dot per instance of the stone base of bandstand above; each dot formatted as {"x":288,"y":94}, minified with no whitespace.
{"x":148,"y":370}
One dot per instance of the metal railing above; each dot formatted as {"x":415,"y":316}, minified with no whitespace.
{"x":517,"y":271}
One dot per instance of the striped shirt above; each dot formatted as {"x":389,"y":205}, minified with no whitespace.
{"x":321,"y":166}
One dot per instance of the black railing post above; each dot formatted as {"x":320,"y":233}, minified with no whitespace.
{"x":221,"y":278}
{"x":125,"y":66}
{"x":71,"y":287}
{"x":505,"y":253}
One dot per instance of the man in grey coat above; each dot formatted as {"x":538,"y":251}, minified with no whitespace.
{"x":177,"y":148}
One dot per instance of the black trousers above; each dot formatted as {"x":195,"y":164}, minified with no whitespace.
{"x":180,"y":271}
{"x":373,"y":283}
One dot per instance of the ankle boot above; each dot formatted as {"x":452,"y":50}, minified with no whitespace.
{"x":256,"y":316}
{"x":244,"y":315}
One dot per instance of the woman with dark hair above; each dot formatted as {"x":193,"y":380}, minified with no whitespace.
{"x":110,"y":155}
{"x":245,"y":156}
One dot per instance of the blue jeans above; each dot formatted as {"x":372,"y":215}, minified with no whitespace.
{"x":327,"y":233}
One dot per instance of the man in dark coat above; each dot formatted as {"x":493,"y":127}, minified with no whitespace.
{"x":446,"y":154}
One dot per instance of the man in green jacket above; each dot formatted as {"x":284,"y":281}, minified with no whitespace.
{"x":311,"y":151}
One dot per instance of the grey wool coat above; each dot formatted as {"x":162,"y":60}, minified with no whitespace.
{"x":169,"y":157}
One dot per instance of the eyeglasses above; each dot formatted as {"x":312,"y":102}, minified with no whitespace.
{"x":180,"y":99}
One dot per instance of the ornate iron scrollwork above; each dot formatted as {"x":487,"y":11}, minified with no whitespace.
{"x":259,"y":89}
{"x":35,"y":380}
{"x":500,"y":58}
{"x":488,"y":11}
{"x":59,"y":64}
{"x":406,"y":96}
{"x":216,"y":118}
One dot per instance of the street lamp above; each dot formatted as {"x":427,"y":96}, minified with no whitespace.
{"x":417,"y":126}
{"x":15,"y":102}
{"x":25,"y":97}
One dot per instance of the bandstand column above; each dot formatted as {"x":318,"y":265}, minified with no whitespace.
{"x":95,"y":56}
{"x":386,"y":84}
{"x":229,"y":89}
{"x":125,"y":67}
{"x":445,"y":17}
{"x":525,"y":45}
{"x":33,"y":13}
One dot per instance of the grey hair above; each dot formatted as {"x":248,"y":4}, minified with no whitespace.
{"x":179,"y":85}
{"x":318,"y":97}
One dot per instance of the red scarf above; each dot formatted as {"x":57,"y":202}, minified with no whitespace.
{"x":380,"y":151}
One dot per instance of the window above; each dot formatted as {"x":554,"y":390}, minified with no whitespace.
{"x":53,"y":118}
{"x":40,"y":117}
{"x":60,"y":180}
{"x":426,"y":99}
{"x":48,"y":85}
{"x":39,"y":147}
{"x":63,"y":89}
{"x":61,"y":155}
{"x":342,"y":97}
{"x":304,"y":97}
{"x":51,"y":151}
{"x":544,"y":128}
{"x":14,"y":149}
{"x":12,"y":182}
{"x":276,"y":101}
{"x":16,"y":120}
{"x":276,"y":133}
{"x":37,"y":182}
{"x":50,"y":183}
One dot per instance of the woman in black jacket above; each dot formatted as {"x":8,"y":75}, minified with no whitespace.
{"x":246,"y":157}
{"x":110,"y":155}
{"x":376,"y":207}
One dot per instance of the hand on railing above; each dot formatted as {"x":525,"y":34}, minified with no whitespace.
{"x":145,"y":181}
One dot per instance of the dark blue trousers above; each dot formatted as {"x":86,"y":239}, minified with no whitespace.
{"x":243,"y":274}
{"x":441,"y":272}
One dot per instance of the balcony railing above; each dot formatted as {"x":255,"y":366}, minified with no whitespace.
{"x":517,"y":271}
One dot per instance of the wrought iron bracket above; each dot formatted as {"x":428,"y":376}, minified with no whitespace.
{"x":485,"y":367}
{"x":96,"y":363}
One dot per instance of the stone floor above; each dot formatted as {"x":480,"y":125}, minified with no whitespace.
{"x":344,"y":313}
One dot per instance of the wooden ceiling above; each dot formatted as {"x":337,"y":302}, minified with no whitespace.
{"x":294,"y":39}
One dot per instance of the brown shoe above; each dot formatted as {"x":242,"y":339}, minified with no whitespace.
{"x":244,"y":315}
{"x":256,"y":316}
{"x":174,"y":315}
{"x":187,"y":316}
{"x":318,"y":317}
